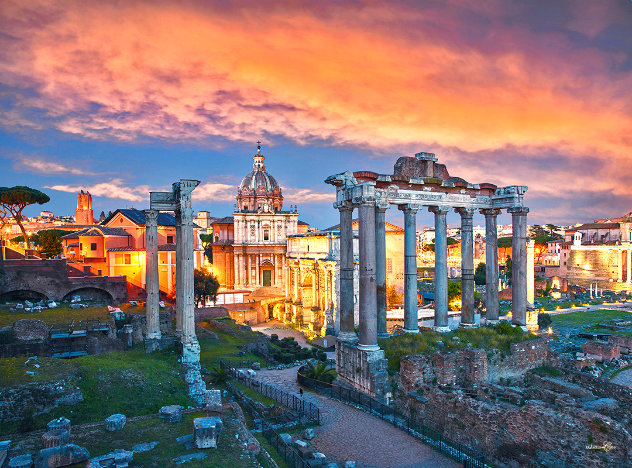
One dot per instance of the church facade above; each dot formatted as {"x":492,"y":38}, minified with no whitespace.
{"x":249,"y":247}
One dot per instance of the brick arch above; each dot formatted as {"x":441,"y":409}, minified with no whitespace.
{"x":23,"y":294}
{"x":92,"y":293}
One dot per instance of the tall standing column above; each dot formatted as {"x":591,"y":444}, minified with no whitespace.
{"x":441,"y":268}
{"x":530,"y":273}
{"x":467,"y":267}
{"x":187,"y":261}
{"x":491,"y":264}
{"x":258,"y":281}
{"x":380,"y":268}
{"x":151,"y":273}
{"x":519,"y":265}
{"x":411,"y":309}
{"x":629,"y":266}
{"x":179,"y":289}
{"x":368,"y":293}
{"x":347,"y":332}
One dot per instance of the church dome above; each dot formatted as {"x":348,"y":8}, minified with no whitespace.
{"x":258,"y":188}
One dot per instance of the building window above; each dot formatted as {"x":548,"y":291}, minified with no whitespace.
{"x":169,"y":239}
{"x":266,"y":234}
{"x":93,"y":246}
{"x":389,"y":265}
{"x":128,"y":259}
{"x":99,"y":272}
{"x":80,"y":246}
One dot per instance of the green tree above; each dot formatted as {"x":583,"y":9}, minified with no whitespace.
{"x":537,"y":230}
{"x":480,"y":274}
{"x":207,"y":245}
{"x":14,"y":199}
{"x":50,"y":242}
{"x":552,"y":228}
{"x":504,"y":242}
{"x":392,"y":297}
{"x":508,"y":269}
{"x":204,"y":285}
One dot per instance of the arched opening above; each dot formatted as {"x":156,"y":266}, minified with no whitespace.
{"x":267,"y":270}
{"x":91,"y":294}
{"x":307,"y":286}
{"x":23,"y":295}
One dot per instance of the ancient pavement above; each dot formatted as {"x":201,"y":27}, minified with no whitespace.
{"x":347,"y":433}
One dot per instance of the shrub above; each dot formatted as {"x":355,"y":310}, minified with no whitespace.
{"x":274,"y":338}
{"x":544,"y":320}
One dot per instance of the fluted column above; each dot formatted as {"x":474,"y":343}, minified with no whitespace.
{"x":346,"y":273}
{"x":380,"y":268}
{"x":519,"y":266}
{"x":151,"y":272}
{"x":467,"y":268}
{"x":441,"y":268}
{"x":629,"y":266}
{"x":530,"y":273}
{"x":368,"y":293}
{"x":491,"y":264}
{"x":179,"y":290}
{"x":411,"y":309}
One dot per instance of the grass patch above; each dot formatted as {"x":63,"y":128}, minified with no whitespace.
{"x":255,"y":395}
{"x":588,"y":318}
{"x":546,"y":371}
{"x":428,"y":342}
{"x":63,"y":315}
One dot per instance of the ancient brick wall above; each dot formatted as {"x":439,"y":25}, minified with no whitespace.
{"x":606,"y":351}
{"x":602,"y":387}
{"x":624,"y":342}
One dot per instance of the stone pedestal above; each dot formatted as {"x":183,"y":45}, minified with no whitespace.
{"x":214,"y":401}
{"x":171,"y":413}
{"x":364,"y":370}
{"x":532,"y":319}
{"x":63,"y":455}
{"x":191,"y":353}
{"x":59,"y":423}
{"x":206,"y":431}
{"x":116,"y":422}
{"x":55,"y":438}
{"x":152,"y":345}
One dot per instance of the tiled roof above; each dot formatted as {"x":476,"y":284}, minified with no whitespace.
{"x":97,"y":231}
{"x":225,"y":220}
{"x":138,"y":217}
{"x":302,"y":223}
{"x":598,"y":226}
{"x":161,"y":248}
{"x":122,"y":249}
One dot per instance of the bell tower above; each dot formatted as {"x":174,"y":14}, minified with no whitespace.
{"x":84,"y":213}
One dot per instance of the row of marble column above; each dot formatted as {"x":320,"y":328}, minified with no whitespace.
{"x":372,"y":256}
{"x":185,"y":301}
{"x":243,"y":269}
{"x":322,"y":297}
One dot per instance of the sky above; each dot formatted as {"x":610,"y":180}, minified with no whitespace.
{"x":123,"y":97}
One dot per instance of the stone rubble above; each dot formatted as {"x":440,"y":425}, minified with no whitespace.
{"x":206,"y":431}
{"x":116,"y":422}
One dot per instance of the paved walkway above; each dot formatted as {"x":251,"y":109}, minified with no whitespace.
{"x":623,"y":378}
{"x":282,"y":331}
{"x":347,"y":433}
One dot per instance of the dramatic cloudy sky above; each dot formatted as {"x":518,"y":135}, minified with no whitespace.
{"x":123,"y":97}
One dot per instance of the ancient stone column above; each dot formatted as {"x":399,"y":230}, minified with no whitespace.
{"x":519,"y":264}
{"x":491,"y":264}
{"x":347,"y":332}
{"x":152,"y":279}
{"x":179,"y":290}
{"x":441,"y":268}
{"x":188,"y":265}
{"x":467,"y":267}
{"x":530,"y":273}
{"x":629,"y":266}
{"x":380,"y":268}
{"x":368,"y":293}
{"x":411,"y":313}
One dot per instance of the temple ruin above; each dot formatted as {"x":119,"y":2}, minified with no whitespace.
{"x":418,"y":182}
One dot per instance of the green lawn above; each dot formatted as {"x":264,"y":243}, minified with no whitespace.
{"x":584,"y":318}
{"x":63,"y":315}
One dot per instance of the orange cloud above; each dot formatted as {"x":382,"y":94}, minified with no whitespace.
{"x":385,"y":77}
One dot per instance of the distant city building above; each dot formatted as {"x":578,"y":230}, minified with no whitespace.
{"x":84,"y":215}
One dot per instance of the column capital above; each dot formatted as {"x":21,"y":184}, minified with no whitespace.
{"x":490,"y":211}
{"x":408,"y":207}
{"x":440,"y":210}
{"x":151,"y":217}
{"x":381,"y":205}
{"x":465,"y":212}
{"x":518,"y":210}
{"x":344,"y":206}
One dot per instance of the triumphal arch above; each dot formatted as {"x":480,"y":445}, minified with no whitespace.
{"x":416,"y":183}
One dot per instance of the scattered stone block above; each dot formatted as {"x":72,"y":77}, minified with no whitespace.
{"x":308,"y":433}
{"x":206,"y":432}
{"x":59,"y":423}
{"x":5,"y":444}
{"x":332,"y":465}
{"x":286,"y":438}
{"x":318,"y":456}
{"x":63,"y":455}
{"x":55,"y":438}
{"x":256,"y":365}
{"x":350,"y":464}
{"x":144,"y":447}
{"x":171,"y":413}
{"x":116,"y":422}
{"x":300,"y":443}
{"x":21,"y":461}
{"x":214,"y":400}
{"x":118,"y":458}
{"x":190,"y":457}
